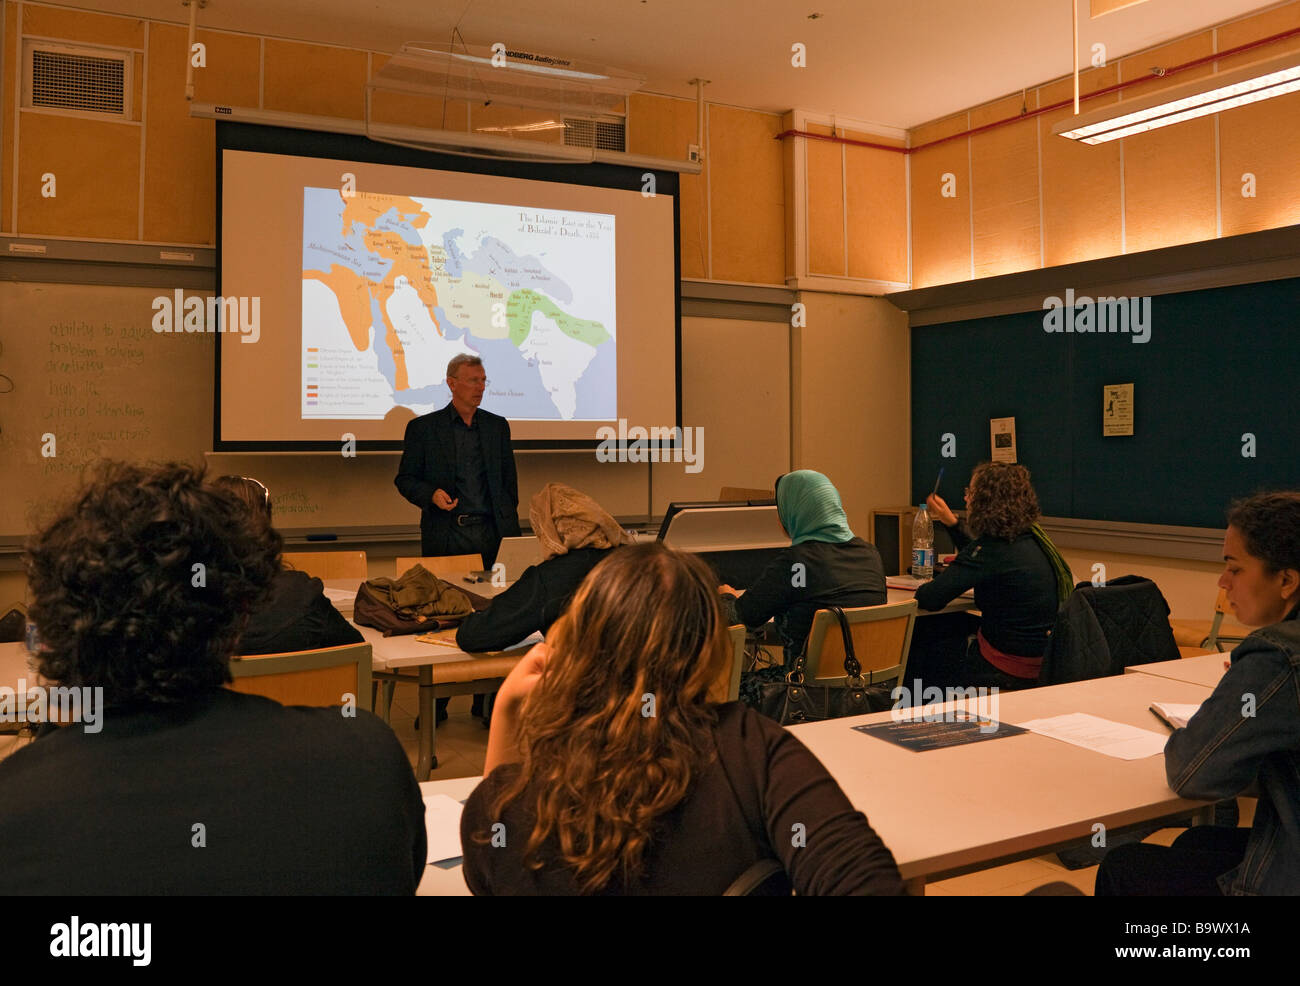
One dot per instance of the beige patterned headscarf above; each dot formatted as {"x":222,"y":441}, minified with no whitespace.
{"x":565,"y":519}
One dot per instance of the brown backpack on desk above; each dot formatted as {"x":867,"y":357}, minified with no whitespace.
{"x":417,"y":601}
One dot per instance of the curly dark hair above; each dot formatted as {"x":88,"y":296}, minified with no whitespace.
{"x":1270,"y":525}
{"x":1001,"y":501}
{"x":118,"y":594}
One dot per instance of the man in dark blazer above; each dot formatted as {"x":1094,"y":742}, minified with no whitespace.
{"x":458,"y":467}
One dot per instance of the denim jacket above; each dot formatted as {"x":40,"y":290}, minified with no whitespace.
{"x":1224,"y":748}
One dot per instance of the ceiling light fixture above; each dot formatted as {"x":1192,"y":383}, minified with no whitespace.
{"x":1201,"y":97}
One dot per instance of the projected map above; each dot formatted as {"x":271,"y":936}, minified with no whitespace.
{"x":394,"y":286}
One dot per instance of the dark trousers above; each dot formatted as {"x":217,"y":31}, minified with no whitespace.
{"x":473,"y":539}
{"x":946,"y":654}
{"x":1188,"y":868}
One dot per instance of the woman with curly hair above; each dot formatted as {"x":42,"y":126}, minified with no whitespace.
{"x":139,"y":588}
{"x":1018,"y":576}
{"x":610,"y":771}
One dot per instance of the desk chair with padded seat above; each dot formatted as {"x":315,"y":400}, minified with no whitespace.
{"x":328,"y":564}
{"x":882,"y":636}
{"x":319,"y":677}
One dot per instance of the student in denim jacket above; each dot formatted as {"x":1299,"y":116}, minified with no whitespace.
{"x":1247,"y":732}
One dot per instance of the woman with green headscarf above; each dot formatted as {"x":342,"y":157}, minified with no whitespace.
{"x":824,"y":565}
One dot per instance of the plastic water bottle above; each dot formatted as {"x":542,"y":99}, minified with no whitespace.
{"x":922,"y":545}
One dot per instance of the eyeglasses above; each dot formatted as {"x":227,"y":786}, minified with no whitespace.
{"x":265,"y":492}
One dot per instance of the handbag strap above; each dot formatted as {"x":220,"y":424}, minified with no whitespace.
{"x":852,"y":666}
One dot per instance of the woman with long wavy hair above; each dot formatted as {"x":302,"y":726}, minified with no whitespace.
{"x":611,"y":770}
{"x":1019,"y":578}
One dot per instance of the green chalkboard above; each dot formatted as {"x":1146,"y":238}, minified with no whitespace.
{"x":1220,"y":365}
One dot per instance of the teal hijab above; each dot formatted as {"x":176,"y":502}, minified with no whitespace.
{"x":809,"y":507}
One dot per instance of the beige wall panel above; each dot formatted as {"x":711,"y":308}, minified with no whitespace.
{"x":180,"y":152}
{"x":1166,"y":56}
{"x":503,"y":120}
{"x":137,"y":80}
{"x":77,"y":25}
{"x":314,"y":79}
{"x":1004,"y":183}
{"x":938,"y":129}
{"x":859,"y":350}
{"x":825,"y":204}
{"x":8,"y":62}
{"x":1169,"y":191}
{"x":941,"y":250}
{"x":747,"y":196}
{"x":877,"y":207}
{"x":1264,"y":140}
{"x":1169,"y":194}
{"x":419,"y":111}
{"x":1081,"y":183}
{"x":663,"y":127}
{"x":745,"y":416}
{"x":233,"y":61}
{"x":97,"y":171}
{"x":1255,"y":27}
{"x":789,"y":147}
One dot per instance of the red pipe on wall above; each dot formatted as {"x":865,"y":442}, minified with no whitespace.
{"x":1029,"y":114}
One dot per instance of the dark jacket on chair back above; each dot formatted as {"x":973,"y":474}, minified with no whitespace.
{"x":1101,"y":630}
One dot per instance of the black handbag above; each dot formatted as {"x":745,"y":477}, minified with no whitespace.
{"x":791,"y":702}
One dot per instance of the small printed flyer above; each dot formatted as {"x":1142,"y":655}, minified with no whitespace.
{"x":1117,"y":409}
{"x":1002,"y":438}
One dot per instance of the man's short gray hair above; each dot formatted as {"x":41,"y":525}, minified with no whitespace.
{"x":462,"y":359}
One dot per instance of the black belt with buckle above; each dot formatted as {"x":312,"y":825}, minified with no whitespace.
{"x":469,"y":520}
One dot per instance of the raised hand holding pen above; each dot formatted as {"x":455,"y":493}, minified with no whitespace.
{"x":940,"y":511}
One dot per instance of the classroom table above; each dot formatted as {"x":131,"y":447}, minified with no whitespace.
{"x":1203,"y":669}
{"x":948,"y":812}
{"x":446,"y":881}
{"x":398,"y":652}
{"x":959,"y":605}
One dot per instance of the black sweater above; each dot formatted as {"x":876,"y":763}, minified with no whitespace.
{"x":847,"y":574}
{"x":1015,"y":589}
{"x":746,"y":805}
{"x":531,"y":605}
{"x":226,"y":794}
{"x":296,"y":616}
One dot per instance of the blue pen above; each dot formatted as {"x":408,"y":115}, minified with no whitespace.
{"x":937,"y":482}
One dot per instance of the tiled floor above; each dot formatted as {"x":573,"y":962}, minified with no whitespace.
{"x":461,"y":742}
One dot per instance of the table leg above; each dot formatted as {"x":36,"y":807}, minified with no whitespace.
{"x":428,"y":761}
{"x":914,"y":887}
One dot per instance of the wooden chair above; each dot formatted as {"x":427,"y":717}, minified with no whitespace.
{"x":882,"y":636}
{"x":732,"y":493}
{"x":442,"y":566}
{"x":1215,"y":640}
{"x":328,"y":564}
{"x":307,"y":677}
{"x":727,"y":687}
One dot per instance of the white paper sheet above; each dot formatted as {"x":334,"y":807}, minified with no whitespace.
{"x":442,"y":826}
{"x":341,"y":597}
{"x":1114,"y":739}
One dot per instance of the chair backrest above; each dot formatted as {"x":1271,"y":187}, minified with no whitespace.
{"x":727,"y":687}
{"x":1216,"y":640}
{"x":882,"y":636}
{"x":442,"y":566}
{"x":1101,"y":630}
{"x":328,"y":564}
{"x":732,"y":493}
{"x":307,"y":677}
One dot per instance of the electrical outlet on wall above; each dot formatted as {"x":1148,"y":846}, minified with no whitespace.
{"x":693,"y":153}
